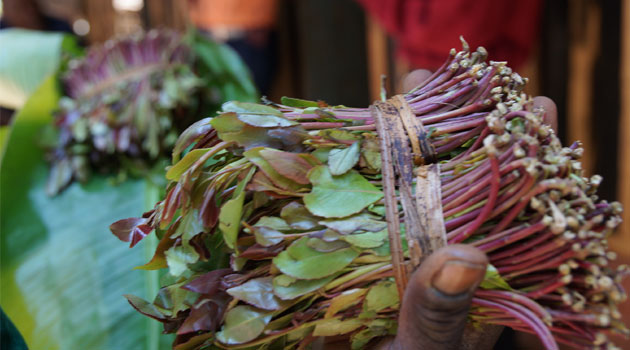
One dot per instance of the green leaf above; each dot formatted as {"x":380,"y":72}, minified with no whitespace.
{"x":287,"y":288}
{"x":232,"y":212}
{"x":173,"y":298}
{"x":158,"y":261}
{"x":342,"y":160}
{"x":493,"y":280}
{"x":230,"y":219}
{"x":267,"y":230}
{"x":250,"y":108}
{"x":179,"y":257}
{"x":321,"y":154}
{"x":189,"y":227}
{"x":370,"y":150}
{"x":177,"y":170}
{"x":243,"y":324}
{"x":283,"y":280}
{"x":231,"y":129}
{"x":191,"y":135}
{"x":338,"y":135}
{"x":344,"y":301}
{"x":296,"y":215}
{"x":303,"y":262}
{"x":144,"y":307}
{"x":297,"y":102}
{"x":362,"y":221}
{"x":339,"y":196}
{"x":381,"y":296}
{"x":257,"y":292}
{"x":376,"y":328}
{"x":335,"y":326}
{"x":266,"y":121}
{"x":223,"y":69}
{"x":323,"y":246}
{"x":366,"y":240}
{"x":26,"y":59}
{"x":273,"y":222}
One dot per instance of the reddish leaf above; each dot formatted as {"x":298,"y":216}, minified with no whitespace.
{"x":207,"y":316}
{"x":171,"y":204}
{"x":294,"y":166}
{"x":192,"y":134}
{"x":209,"y":212}
{"x":258,"y":252}
{"x":208,"y":283}
{"x":261,"y":183}
{"x":138,"y":233}
{"x":131,"y":230}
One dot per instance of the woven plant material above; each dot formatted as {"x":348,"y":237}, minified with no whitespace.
{"x":285,"y":222}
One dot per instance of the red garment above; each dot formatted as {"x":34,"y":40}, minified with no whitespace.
{"x":425,"y":30}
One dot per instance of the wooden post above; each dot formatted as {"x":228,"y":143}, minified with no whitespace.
{"x":621,"y":240}
{"x":377,"y":60}
{"x":584,"y":21}
{"x":100,"y":14}
{"x":167,"y":13}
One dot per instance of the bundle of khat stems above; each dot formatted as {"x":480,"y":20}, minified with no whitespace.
{"x":278,"y":224}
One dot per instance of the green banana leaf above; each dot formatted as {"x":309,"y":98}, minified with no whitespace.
{"x":10,"y":338}
{"x":27,"y":57}
{"x":63,"y":272}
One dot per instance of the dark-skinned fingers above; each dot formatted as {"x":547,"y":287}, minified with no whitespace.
{"x":415,"y":78}
{"x":437,"y":299}
{"x":551,"y":112}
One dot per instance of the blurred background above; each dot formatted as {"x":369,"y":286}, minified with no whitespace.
{"x":336,"y":50}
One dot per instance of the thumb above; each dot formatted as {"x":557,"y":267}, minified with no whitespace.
{"x":437,"y":299}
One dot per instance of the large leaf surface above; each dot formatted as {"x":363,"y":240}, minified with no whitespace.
{"x":27,"y":57}
{"x":226,"y":70}
{"x":339,"y":196}
{"x":63,"y":273}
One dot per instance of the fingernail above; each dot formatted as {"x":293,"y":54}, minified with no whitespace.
{"x":457,"y":277}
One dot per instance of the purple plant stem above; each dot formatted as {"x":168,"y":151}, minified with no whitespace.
{"x":517,"y":298}
{"x":569,"y":316}
{"x":541,"y":187}
{"x":487,"y":209}
{"x":547,"y":288}
{"x":555,"y":244}
{"x":415,"y":92}
{"x":524,"y":315}
{"x":520,"y":248}
{"x":501,"y":234}
{"x":460,"y":220}
{"x":434,"y":118}
{"x":501,"y":242}
{"x":552,"y":263}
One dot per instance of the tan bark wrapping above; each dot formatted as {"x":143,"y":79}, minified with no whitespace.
{"x":389,"y":190}
{"x":429,"y":205}
{"x":404,"y":144}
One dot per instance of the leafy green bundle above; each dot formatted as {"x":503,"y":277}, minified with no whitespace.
{"x":127,"y":100}
{"x":274,"y":227}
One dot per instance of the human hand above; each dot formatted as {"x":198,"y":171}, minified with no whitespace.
{"x":437,"y":299}
{"x":435,"y":306}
